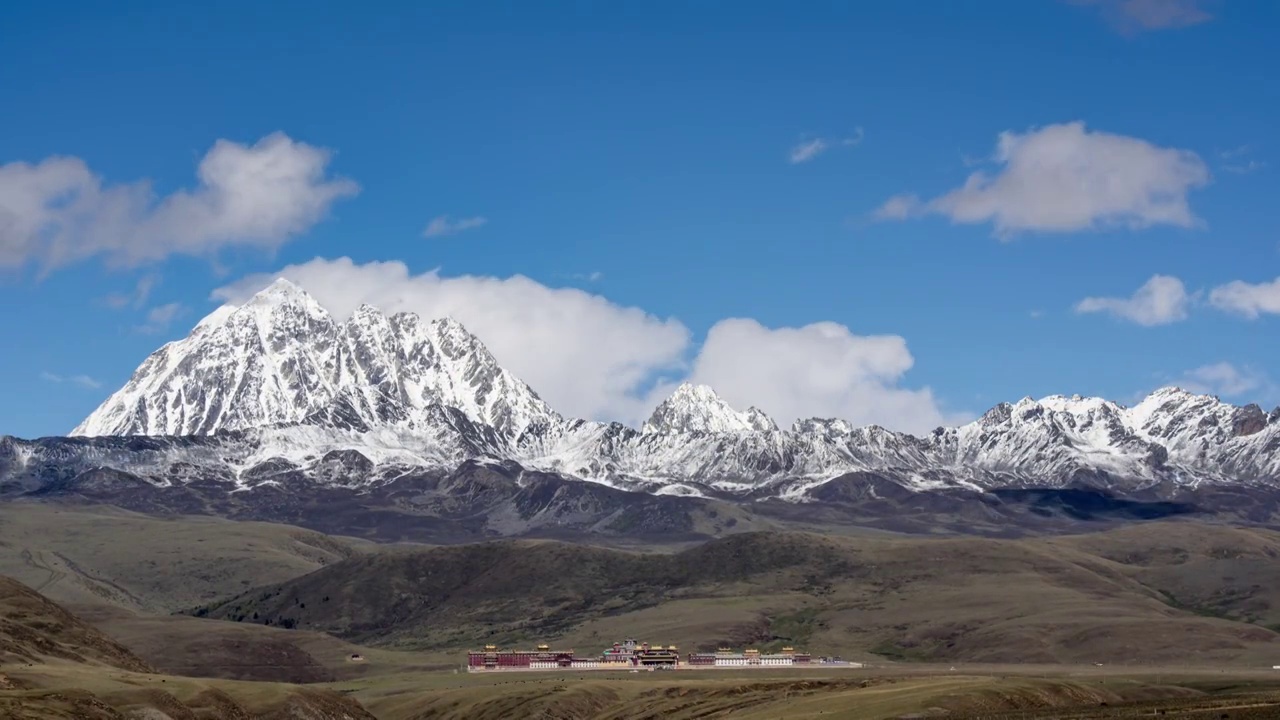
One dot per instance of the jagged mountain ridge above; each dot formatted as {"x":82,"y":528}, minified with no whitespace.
{"x":282,"y":359}
{"x":277,"y":382}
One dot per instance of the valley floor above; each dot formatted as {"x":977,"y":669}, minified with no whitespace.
{"x":182,"y":619}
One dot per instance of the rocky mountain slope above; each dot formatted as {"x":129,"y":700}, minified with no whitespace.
{"x":277,"y":395}
{"x":281,"y":359}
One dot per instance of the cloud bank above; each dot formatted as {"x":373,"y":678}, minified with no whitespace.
{"x":592,"y":358}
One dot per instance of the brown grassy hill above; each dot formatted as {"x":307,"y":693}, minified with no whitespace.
{"x":93,"y":555}
{"x":1210,"y":570}
{"x":54,"y":665}
{"x":973,"y":599}
{"x":33,"y":629}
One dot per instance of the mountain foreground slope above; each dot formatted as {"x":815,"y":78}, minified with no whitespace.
{"x":55,"y":665}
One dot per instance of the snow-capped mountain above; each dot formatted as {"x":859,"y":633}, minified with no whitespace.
{"x":277,"y":385}
{"x":697,"y":409}
{"x":281,"y":359}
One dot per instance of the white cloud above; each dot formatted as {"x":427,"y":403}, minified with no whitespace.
{"x":1245,"y":167}
{"x":1246,"y":299}
{"x":817,"y":370}
{"x":1064,"y":178}
{"x":585,"y":355}
{"x":1161,"y":300}
{"x":82,"y":380}
{"x":1224,"y":380}
{"x":57,"y":211}
{"x":442,"y":225}
{"x":898,"y":207}
{"x":1237,"y":160}
{"x":807,"y":150}
{"x":589,"y":357}
{"x":1130,"y":16}
{"x":137,"y":297}
{"x":160,"y":317}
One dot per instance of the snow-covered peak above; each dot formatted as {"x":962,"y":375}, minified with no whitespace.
{"x":282,"y":293}
{"x":1186,"y":422}
{"x":280,"y":358}
{"x":216,"y":318}
{"x":280,"y":362}
{"x":759,"y":420}
{"x":698,"y":409}
{"x":366,"y":312}
{"x":831,"y":427}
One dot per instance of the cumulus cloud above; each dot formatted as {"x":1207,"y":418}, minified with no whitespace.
{"x":159,"y":318}
{"x":83,"y":381}
{"x":1224,"y":380}
{"x":57,"y":211}
{"x":1065,"y":178}
{"x":1132,"y":16}
{"x":1161,"y":300}
{"x":442,"y":225}
{"x":820,"y":370}
{"x":807,"y":150}
{"x":590,"y":357}
{"x":1247,"y":299}
{"x":586,"y":356}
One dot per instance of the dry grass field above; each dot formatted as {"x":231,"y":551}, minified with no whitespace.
{"x":90,"y":555}
{"x":1180,"y":615}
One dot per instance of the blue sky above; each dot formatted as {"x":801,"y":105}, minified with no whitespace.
{"x":635,"y":197}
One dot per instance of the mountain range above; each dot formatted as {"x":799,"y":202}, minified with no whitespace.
{"x":277,"y":396}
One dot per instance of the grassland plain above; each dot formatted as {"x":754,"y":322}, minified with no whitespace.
{"x":1180,"y":614}
{"x":1129,"y":597}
